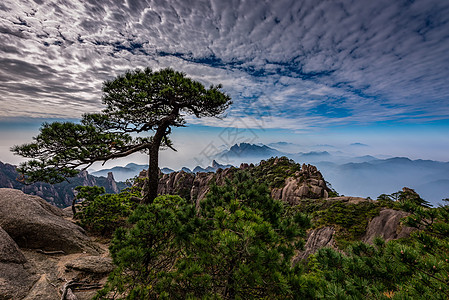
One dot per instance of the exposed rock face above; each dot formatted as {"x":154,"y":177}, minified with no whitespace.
{"x":91,"y":264}
{"x":9,"y":250}
{"x":33,"y":223}
{"x":317,"y":239}
{"x":15,"y":276}
{"x":42,"y":290}
{"x":112,"y":183}
{"x":307,"y":183}
{"x":193,"y":186}
{"x":387,"y":226}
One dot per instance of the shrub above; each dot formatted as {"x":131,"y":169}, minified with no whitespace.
{"x":103,"y":213}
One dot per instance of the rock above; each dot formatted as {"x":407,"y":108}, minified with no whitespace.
{"x":387,"y":226}
{"x":349,"y":199}
{"x":317,"y":239}
{"x":92,"y":264}
{"x":10,"y":252}
{"x":33,"y":223}
{"x":112,"y":183}
{"x":15,"y":275}
{"x":42,"y":290}
{"x":307,"y":183}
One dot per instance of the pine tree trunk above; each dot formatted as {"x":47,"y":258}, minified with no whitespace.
{"x":153,"y":174}
{"x":153,"y":167}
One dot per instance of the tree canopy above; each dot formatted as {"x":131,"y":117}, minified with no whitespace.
{"x":142,"y":106}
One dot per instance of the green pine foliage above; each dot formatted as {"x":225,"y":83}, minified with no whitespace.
{"x":103,"y":213}
{"x":275,"y":170}
{"x":413,"y":268}
{"x":350,"y":220}
{"x":238,"y":246}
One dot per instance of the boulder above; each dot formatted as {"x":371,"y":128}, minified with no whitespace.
{"x":91,"y":264}
{"x":42,"y":290}
{"x":317,"y":239}
{"x":10,"y":252}
{"x":15,"y":275}
{"x":33,"y":223}
{"x":387,"y":226}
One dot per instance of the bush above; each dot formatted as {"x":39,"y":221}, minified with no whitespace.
{"x":103,"y":213}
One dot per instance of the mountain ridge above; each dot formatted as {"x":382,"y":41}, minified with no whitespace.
{"x":61,"y":194}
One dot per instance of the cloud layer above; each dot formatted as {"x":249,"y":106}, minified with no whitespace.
{"x":287,"y":64}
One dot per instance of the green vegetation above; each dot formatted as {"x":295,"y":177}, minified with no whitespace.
{"x":240,"y":244}
{"x":103,"y":213}
{"x":350,"y":220}
{"x":415,"y":268}
{"x":140,"y":101}
{"x":275,"y":170}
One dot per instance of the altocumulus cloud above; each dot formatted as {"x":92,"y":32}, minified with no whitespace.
{"x":287,"y":64}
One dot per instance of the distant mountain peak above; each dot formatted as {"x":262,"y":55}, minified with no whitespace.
{"x":215,"y":164}
{"x":243,"y":150}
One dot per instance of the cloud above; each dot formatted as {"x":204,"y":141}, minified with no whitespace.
{"x":293,"y":64}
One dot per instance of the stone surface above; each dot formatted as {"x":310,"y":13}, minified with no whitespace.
{"x":317,"y":239}
{"x":16,"y":278}
{"x":33,"y":223}
{"x":9,"y":251}
{"x":91,"y":264}
{"x":387,"y":226}
{"x":307,"y":183}
{"x":42,"y":290}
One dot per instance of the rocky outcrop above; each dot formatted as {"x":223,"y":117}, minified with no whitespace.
{"x":193,"y":186}
{"x":387,"y":226}
{"x":112,"y":183}
{"x":60,"y":194}
{"x":307,"y":183}
{"x":317,"y":239}
{"x":15,"y":275}
{"x":33,"y":223}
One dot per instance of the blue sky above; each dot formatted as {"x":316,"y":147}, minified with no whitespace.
{"x":306,"y":72}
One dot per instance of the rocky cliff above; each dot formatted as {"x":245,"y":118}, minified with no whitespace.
{"x":288,"y":181}
{"x":60,"y":194}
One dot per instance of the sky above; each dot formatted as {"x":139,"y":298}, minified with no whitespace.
{"x":366,"y":77}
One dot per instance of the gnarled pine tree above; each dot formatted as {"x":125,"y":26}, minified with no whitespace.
{"x":138,"y":102}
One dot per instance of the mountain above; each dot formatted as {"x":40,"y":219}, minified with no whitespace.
{"x":287,"y":180}
{"x":187,"y":170}
{"x":60,"y":194}
{"x":167,"y":170}
{"x":199,"y":169}
{"x":131,"y":170}
{"x":122,"y":173}
{"x":364,"y":176}
{"x":371,"y":178}
{"x":248,"y":152}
